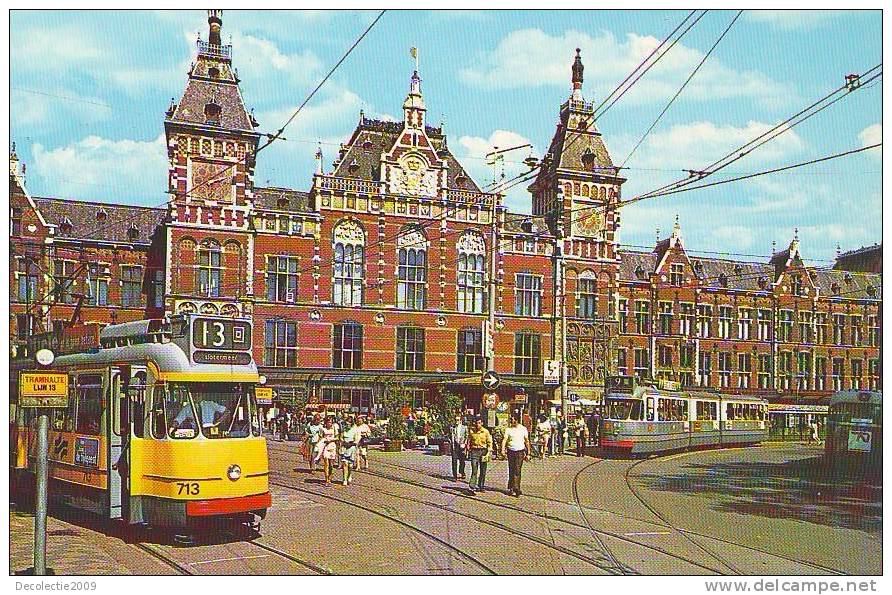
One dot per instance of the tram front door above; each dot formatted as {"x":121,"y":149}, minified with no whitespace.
{"x":118,"y":437}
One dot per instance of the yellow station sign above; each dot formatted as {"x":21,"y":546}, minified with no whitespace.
{"x":264,"y":395}
{"x":43,"y":389}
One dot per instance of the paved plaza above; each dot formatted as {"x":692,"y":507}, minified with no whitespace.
{"x":772,"y":509}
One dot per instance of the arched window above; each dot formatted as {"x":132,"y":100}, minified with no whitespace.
{"x":210,"y":268}
{"x":411,"y":271}
{"x":471,"y":278}
{"x":348,"y":242}
{"x":587,"y":295}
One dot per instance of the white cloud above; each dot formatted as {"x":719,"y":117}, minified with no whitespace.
{"x":54,"y":49}
{"x":697,"y":144}
{"x":125,"y":171}
{"x":793,"y":19}
{"x":872,"y":135}
{"x":473,"y":158}
{"x":533,"y":58}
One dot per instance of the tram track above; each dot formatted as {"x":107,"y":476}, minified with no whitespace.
{"x":458,"y":552}
{"x":594,"y":532}
{"x":164,"y":559}
{"x":662,"y":524}
{"x":608,"y":565}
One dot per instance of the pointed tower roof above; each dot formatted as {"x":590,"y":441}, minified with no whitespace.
{"x":212,"y":96}
{"x":577,"y":145}
{"x":413,"y":106}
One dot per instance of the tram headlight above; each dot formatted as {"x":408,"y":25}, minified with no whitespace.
{"x":234,"y":472}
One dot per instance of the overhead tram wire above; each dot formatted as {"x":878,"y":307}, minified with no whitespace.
{"x":681,"y":89}
{"x":622,"y":88}
{"x":772,"y":133}
{"x":446,"y":213}
{"x":272,"y":137}
{"x":733,"y":155}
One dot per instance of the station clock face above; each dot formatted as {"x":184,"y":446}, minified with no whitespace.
{"x":211,"y":181}
{"x":589,"y":221}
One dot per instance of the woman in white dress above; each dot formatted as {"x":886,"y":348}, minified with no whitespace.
{"x":329,"y":442}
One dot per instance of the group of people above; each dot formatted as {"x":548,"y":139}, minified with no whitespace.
{"x":332,"y":442}
{"x":474,"y":444}
{"x":553,"y":435}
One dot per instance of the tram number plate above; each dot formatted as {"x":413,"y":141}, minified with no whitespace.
{"x":187,"y":488}
{"x":860,"y":439}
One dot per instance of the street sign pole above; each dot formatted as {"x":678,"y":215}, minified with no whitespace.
{"x":43,"y":426}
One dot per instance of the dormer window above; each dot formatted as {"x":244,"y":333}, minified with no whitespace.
{"x":723,"y":280}
{"x":763,"y":281}
{"x":871,"y":290}
{"x":698,"y":268}
{"x":354,"y":165}
{"x":639,"y":272}
{"x":738,"y":269}
{"x":367,"y":144}
{"x":834,"y":287}
{"x":214,"y":72}
{"x":133,"y":232}
{"x":461,"y":181}
{"x":282,"y":202}
{"x":66,"y":226}
{"x":847,"y":278}
{"x":527,"y":226}
{"x":212,"y":113}
{"x":101,"y":215}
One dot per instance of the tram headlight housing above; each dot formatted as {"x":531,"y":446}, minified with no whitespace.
{"x":234,"y":472}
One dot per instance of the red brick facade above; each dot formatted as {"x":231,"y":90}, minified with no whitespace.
{"x":383,"y":268}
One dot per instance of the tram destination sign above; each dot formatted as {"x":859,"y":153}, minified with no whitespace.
{"x":231,"y":358}
{"x":43,"y":389}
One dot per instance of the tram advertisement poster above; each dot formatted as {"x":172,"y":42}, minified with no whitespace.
{"x":86,"y":451}
{"x":43,"y":389}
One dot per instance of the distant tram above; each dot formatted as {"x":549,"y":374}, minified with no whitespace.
{"x":644,"y":418}
{"x":161,"y":427}
{"x":855,"y":430}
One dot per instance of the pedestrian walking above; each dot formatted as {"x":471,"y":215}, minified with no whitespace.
{"x":350,"y":446}
{"x":459,"y":436}
{"x":581,"y":433}
{"x":362,"y":449}
{"x":543,"y":435}
{"x":813,"y":431}
{"x":314,"y":441}
{"x":515,"y":447}
{"x":329,"y":448}
{"x":479,"y":448}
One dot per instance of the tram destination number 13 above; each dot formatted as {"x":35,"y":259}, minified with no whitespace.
{"x":221,"y":334}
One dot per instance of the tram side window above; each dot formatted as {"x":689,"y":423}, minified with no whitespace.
{"x":89,"y":406}
{"x":673,"y":410}
{"x":63,"y":419}
{"x":707,"y":410}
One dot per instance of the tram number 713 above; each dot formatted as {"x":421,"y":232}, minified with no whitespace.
{"x":859,"y":439}
{"x":188,"y":488}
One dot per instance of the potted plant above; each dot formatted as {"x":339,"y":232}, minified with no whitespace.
{"x":444,"y":406}
{"x":394,"y":399}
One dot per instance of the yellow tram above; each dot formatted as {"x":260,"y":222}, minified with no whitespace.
{"x":161,"y":427}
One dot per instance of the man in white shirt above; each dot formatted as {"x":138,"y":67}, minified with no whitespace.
{"x":515,"y":446}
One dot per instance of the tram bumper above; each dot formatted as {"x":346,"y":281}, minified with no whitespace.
{"x":256,"y":504}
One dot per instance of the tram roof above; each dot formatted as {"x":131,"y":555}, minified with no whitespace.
{"x":171,"y":362}
{"x":857,"y":396}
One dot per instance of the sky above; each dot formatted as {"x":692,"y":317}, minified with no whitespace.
{"x":88,"y":92}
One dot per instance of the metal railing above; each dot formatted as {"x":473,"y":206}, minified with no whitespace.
{"x":579,"y":105}
{"x":213,"y":50}
{"x":348,"y":184}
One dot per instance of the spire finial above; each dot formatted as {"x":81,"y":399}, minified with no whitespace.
{"x":773,"y":247}
{"x":796,"y":234}
{"x":658,"y":235}
{"x":215,"y":23}
{"x":319,"y":157}
{"x":838,"y":250}
{"x":577,"y":73}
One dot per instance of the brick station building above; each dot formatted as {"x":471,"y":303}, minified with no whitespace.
{"x":382,"y":268}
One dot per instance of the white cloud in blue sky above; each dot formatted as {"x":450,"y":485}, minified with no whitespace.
{"x":89,"y":90}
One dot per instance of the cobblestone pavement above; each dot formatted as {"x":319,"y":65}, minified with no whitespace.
{"x":767,"y":510}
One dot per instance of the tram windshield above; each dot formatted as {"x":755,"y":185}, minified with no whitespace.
{"x":624,"y":409}
{"x":217,"y":409}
